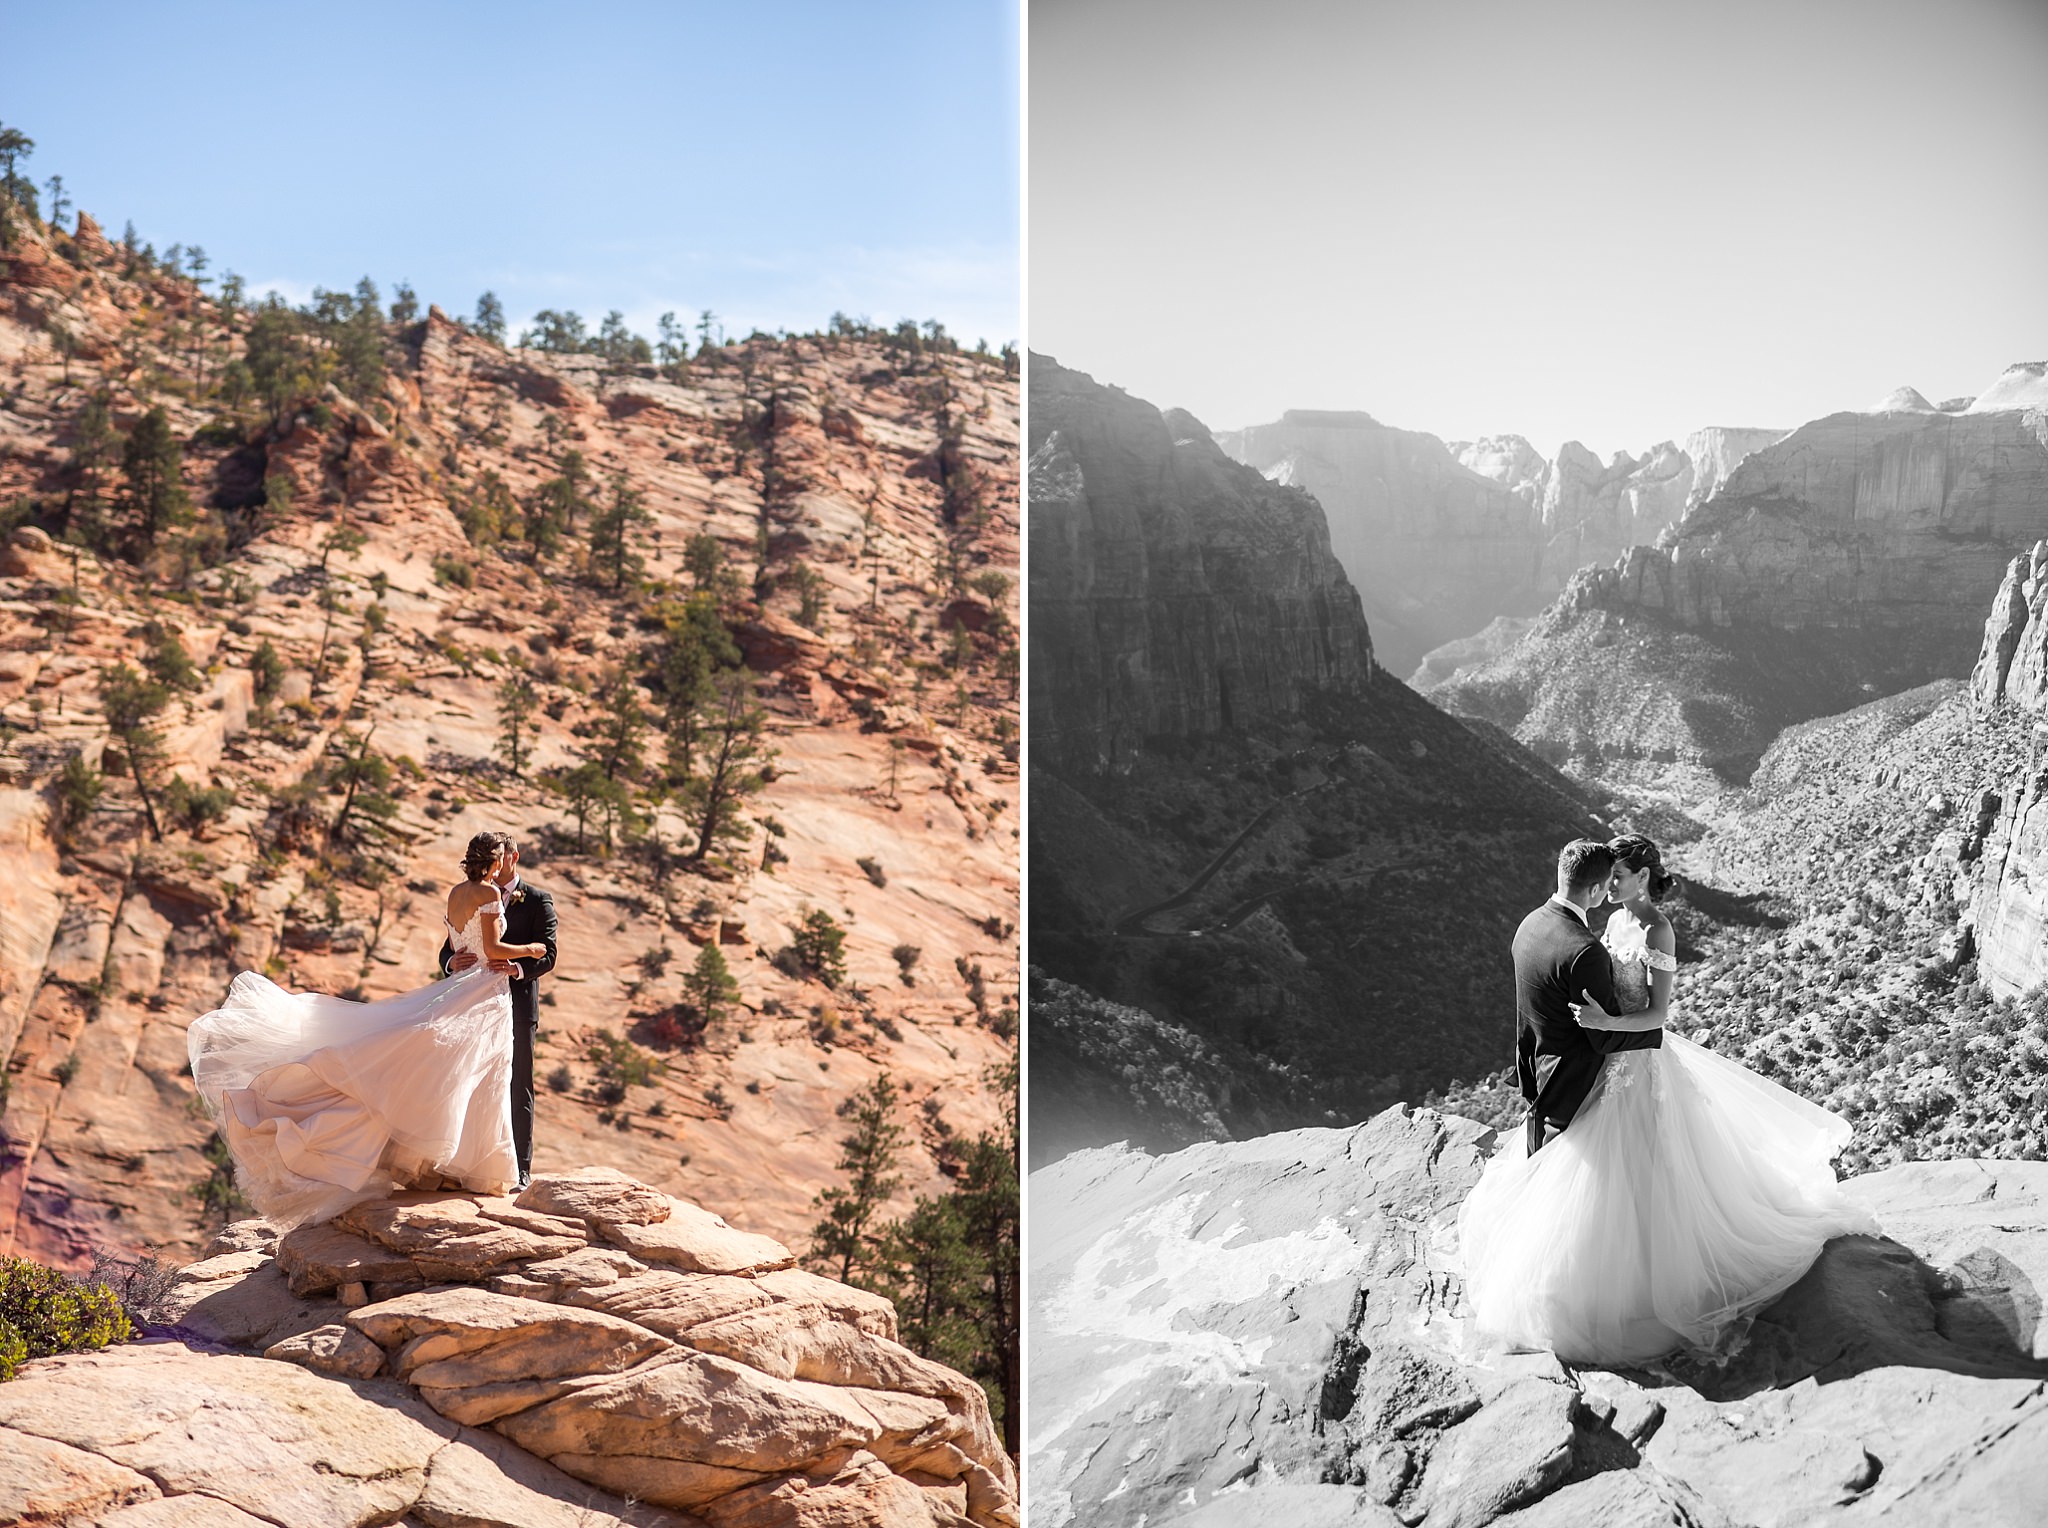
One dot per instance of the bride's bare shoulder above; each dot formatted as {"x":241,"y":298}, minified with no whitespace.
{"x":465,"y":897}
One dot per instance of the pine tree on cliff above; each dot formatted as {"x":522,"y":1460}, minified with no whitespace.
{"x":94,"y":445}
{"x":694,"y":646}
{"x":844,"y":1242}
{"x":951,"y":1265}
{"x":990,"y":1208}
{"x":131,"y":703}
{"x":490,"y":318}
{"x":154,"y":467}
{"x":283,"y":366}
{"x":16,"y":189}
{"x":735,"y":752}
{"x":354,"y":327}
{"x":622,"y":724}
{"x":611,"y":551}
{"x":672,"y":351}
{"x":516,"y":705}
{"x":619,"y":346}
{"x":364,"y":779}
{"x":710,"y":987}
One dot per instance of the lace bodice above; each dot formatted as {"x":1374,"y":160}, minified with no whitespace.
{"x":1628,"y":946}
{"x":470,"y":937}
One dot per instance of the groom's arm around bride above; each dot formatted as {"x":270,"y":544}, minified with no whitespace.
{"x":1558,"y":964}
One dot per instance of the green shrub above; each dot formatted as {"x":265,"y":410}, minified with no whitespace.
{"x":42,"y":1312}
{"x":453,"y":570}
{"x":620,"y":1060}
{"x":820,"y":947}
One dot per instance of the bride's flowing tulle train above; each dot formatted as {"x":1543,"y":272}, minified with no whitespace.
{"x":1687,"y":1193}
{"x":325,"y":1102}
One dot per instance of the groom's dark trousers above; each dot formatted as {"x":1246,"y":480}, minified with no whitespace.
{"x":530,"y":920}
{"x":1558,"y":962}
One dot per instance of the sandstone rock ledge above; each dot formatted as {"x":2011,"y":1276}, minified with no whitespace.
{"x":1273,"y":1330}
{"x":590,"y":1353}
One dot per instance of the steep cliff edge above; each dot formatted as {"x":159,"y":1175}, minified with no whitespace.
{"x":1275,"y":1329}
{"x":1243,"y":836}
{"x":1173,"y":594}
{"x":2007,"y":878}
{"x":1853,"y":557}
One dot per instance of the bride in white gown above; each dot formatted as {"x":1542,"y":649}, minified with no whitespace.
{"x":1687,"y":1192}
{"x":326,"y":1102}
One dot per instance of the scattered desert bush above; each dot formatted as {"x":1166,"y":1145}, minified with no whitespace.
{"x":43,"y":1312}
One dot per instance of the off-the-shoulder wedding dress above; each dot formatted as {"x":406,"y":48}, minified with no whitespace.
{"x":1686,"y":1193}
{"x":326,"y":1102}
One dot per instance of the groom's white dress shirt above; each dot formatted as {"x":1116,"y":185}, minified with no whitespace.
{"x":1574,"y":909}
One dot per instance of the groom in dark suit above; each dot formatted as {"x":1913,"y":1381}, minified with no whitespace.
{"x":1559,"y":963}
{"x":529,"y":919}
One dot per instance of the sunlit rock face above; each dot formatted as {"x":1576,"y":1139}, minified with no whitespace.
{"x":1854,"y":557}
{"x":1436,"y":549}
{"x":1274,"y":1330}
{"x":2006,"y":874}
{"x":1718,"y":450}
{"x":1174,"y":593}
{"x":1443,"y":538}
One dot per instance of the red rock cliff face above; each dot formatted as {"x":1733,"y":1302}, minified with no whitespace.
{"x":1174,"y":592}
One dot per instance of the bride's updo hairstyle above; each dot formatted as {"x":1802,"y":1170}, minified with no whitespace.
{"x":1635,"y":852}
{"x":476,"y":859}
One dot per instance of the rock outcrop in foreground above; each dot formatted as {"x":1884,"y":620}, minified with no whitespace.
{"x":591,"y":1353}
{"x":1273,"y":1331}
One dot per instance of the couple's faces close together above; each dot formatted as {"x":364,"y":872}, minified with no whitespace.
{"x":1625,"y":885}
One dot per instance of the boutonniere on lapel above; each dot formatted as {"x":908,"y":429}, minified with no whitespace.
{"x":517,"y":897}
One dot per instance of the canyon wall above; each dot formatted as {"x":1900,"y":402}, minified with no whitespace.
{"x":1435,"y":549}
{"x":1233,"y":818}
{"x":1443,"y":538}
{"x":1852,"y":558}
{"x":2005,"y":878}
{"x":1174,"y":593}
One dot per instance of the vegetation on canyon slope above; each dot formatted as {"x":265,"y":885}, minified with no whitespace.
{"x":641,"y":578}
{"x":1819,"y":945}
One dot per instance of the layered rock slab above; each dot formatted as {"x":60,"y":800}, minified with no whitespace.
{"x":1286,"y":1314}
{"x":755,"y":1394}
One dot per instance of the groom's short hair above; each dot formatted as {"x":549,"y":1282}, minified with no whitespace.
{"x":1582,"y":863}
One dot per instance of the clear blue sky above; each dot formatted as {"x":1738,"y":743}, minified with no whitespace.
{"x":1596,"y":218}
{"x":771,"y":162}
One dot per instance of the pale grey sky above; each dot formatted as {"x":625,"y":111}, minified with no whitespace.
{"x":1594,"y":220}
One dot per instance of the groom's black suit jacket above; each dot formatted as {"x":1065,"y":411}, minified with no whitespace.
{"x":1558,"y":962}
{"x":530,"y":920}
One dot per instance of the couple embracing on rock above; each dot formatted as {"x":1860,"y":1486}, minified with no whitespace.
{"x":1658,"y":1194}
{"x":325,"y":1102}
